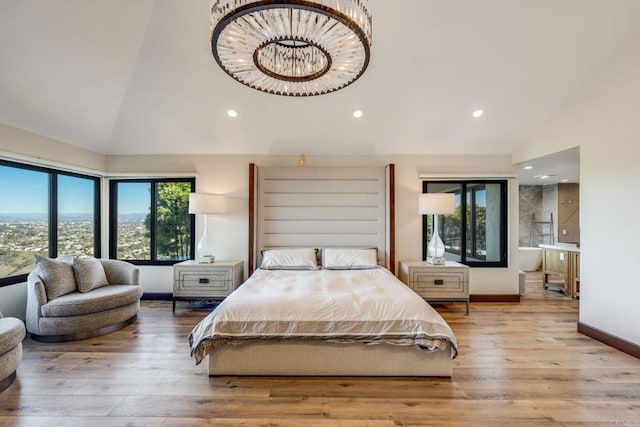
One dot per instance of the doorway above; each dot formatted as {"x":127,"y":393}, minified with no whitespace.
{"x":549,"y":226}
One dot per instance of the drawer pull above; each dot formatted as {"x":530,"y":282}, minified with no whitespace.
{"x":203,"y":280}
{"x":438,"y":282}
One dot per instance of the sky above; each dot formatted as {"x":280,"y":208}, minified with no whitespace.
{"x":24,"y":191}
{"x":134,"y":197}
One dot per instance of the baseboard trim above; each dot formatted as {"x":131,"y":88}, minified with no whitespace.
{"x":494,"y":298}
{"x":157,"y":296}
{"x":610,"y":340}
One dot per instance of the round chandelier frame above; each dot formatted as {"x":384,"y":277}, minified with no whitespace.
{"x":292,"y":48}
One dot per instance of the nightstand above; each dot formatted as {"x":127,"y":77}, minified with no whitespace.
{"x":437,"y":283}
{"x":198,"y":281}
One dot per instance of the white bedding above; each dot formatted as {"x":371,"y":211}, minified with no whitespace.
{"x":370,"y":306}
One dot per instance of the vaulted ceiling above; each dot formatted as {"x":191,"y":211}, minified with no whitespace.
{"x":138,"y":77}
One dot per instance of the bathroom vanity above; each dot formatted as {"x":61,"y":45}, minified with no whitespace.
{"x":562,"y":262}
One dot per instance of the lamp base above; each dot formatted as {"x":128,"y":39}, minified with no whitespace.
{"x":436,"y":260}
{"x":205,"y":259}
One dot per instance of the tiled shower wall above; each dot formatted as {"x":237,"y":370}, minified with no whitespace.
{"x":530,"y":203}
{"x":543,"y":202}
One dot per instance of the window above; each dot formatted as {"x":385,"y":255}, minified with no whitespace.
{"x":45,"y":212}
{"x":476,"y":234}
{"x":150,"y":221}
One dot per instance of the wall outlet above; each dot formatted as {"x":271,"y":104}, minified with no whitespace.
{"x":564,"y":232}
{"x":561,"y":256}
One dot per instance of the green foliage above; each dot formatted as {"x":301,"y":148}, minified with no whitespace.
{"x":173,"y":224}
{"x":450,"y":228}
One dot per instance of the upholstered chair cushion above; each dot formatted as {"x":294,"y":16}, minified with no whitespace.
{"x":57,"y":275}
{"x":97,"y":301}
{"x":11,"y":333}
{"x":89,"y":274}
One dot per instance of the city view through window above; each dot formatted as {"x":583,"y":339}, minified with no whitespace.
{"x":25,"y":227}
{"x":25,"y":218}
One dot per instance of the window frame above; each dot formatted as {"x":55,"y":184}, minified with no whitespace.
{"x":52,"y":204}
{"x":113,"y":219}
{"x":503,"y":227}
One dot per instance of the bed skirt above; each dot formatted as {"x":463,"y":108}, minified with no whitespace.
{"x":328,"y":359}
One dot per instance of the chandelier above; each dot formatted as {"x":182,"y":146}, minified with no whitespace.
{"x":294,"y":47}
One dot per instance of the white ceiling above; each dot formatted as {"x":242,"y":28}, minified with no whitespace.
{"x":559,"y":167}
{"x":138,"y":77}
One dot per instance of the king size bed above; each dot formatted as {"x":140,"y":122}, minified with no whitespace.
{"x":331,"y":307}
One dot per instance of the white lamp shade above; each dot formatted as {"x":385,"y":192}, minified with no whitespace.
{"x":436,"y":203}
{"x":204,"y":203}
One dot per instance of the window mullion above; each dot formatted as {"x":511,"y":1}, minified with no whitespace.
{"x":113,"y":220}
{"x":97,"y":215}
{"x":153,"y":251}
{"x":463,"y":223}
{"x":474,"y":224}
{"x":53,"y":214}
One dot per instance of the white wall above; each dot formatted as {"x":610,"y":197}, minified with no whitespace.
{"x":18,"y":144}
{"x":604,"y":120}
{"x":13,"y":300}
{"x":229,"y":233}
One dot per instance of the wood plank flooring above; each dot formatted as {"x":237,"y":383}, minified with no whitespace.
{"x":519,"y":365}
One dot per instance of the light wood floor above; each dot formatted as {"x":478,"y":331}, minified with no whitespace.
{"x":519,"y":365}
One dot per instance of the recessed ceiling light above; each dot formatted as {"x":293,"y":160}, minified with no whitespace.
{"x":232,"y":113}
{"x":358,"y":113}
{"x":564,"y":180}
{"x":527,"y":168}
{"x":547,"y":176}
{"x":477,"y":113}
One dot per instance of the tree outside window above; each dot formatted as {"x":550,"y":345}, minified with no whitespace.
{"x":173,"y":222}
{"x":141,"y":234}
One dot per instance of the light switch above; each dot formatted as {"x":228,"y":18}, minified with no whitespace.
{"x":564,"y":232}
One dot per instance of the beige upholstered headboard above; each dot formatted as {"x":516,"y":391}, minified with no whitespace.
{"x":321,"y":207}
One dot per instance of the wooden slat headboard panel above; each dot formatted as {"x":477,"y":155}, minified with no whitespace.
{"x":321,"y":207}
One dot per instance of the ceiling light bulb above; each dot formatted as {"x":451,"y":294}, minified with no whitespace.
{"x":232,"y":113}
{"x":358,"y":113}
{"x":478,"y":113}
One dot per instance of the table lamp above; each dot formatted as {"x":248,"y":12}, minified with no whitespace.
{"x":436,"y":204}
{"x":204,"y":203}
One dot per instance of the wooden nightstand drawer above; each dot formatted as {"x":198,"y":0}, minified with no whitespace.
{"x":208,"y":284}
{"x":215,"y":281}
{"x":437,"y":283}
{"x":442,"y":283}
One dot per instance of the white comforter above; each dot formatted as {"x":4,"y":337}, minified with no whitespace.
{"x":370,"y":306}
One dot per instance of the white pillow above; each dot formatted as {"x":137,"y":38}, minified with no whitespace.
{"x":349,"y":259}
{"x":290,"y":259}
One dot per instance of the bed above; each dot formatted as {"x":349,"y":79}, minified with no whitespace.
{"x":325,"y":300}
